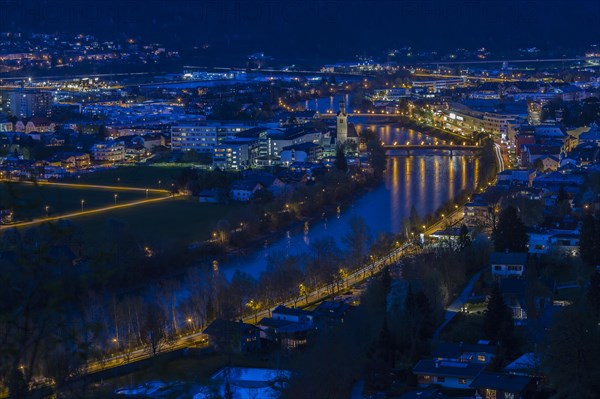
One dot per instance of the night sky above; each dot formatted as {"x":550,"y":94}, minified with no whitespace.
{"x":321,"y":28}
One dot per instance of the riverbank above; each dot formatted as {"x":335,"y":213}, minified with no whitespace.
{"x":433,"y":131}
{"x":294,"y":226}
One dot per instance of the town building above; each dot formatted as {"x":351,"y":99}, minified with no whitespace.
{"x":477,"y":214}
{"x":203,"y":137}
{"x":109,"y":152}
{"x":305,"y":152}
{"x":26,"y":103}
{"x":498,"y":118}
{"x":236,"y":154}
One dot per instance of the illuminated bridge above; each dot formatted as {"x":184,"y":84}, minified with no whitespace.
{"x":449,"y":149}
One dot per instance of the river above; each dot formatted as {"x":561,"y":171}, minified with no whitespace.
{"x":423,"y":180}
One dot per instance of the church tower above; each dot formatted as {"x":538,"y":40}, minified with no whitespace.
{"x":342,"y":123}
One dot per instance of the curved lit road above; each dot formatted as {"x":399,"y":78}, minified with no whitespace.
{"x":94,"y":211}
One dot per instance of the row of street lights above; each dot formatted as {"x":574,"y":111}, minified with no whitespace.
{"x":82,"y":202}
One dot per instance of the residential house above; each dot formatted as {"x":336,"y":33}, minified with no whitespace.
{"x":490,"y":385}
{"x":150,"y":141}
{"x":135,"y":152}
{"x":508,"y":264}
{"x":529,"y":364}
{"x":209,"y":196}
{"x":5,"y":125}
{"x":71,"y":161}
{"x":539,"y":240}
{"x":448,"y":374}
{"x":295,"y":335}
{"x":583,"y":155}
{"x":548,"y":163}
{"x":526,"y":299}
{"x":330,"y":313}
{"x":545,"y":134}
{"x":566,"y":243}
{"x":243,"y":190}
{"x":291,"y":327}
{"x":481,"y":352}
{"x":592,"y":136}
{"x":295,"y":315}
{"x":530,"y":153}
{"x":517,"y":177}
{"x":553,"y":181}
{"x":233,"y":336}
{"x":529,"y":193}
{"x":450,"y":235}
{"x":34,"y":125}
{"x":272,"y":183}
{"x":477,"y":214}
{"x":109,"y":151}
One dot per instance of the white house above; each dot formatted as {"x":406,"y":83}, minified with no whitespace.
{"x":244,"y":190}
{"x":295,"y":315}
{"x":508,"y":264}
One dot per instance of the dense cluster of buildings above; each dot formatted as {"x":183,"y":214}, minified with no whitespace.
{"x":44,"y":51}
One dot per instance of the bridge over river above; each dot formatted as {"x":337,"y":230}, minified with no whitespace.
{"x":435,"y":149}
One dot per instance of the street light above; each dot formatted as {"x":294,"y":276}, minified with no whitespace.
{"x":303,"y":292}
{"x":82,"y":202}
{"x":254,"y":307}
{"x":116,"y":195}
{"x":46,"y":209}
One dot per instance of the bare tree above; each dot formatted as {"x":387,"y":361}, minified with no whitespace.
{"x":154,"y":333}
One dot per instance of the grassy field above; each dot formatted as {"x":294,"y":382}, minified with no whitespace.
{"x":29,"y":201}
{"x":133,"y":176}
{"x":179,"y":219}
{"x":465,"y":327}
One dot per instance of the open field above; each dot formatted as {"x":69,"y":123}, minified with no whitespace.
{"x":29,"y":201}
{"x":166,"y":222}
{"x":465,"y":327}
{"x":133,"y":176}
{"x":180,"y":219}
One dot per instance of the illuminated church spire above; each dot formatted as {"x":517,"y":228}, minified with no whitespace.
{"x":342,"y":123}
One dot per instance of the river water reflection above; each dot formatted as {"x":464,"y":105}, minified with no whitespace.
{"x":423,"y":180}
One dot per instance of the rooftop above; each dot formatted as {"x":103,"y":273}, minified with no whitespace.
{"x":508,"y":258}
{"x":501,"y":382}
{"x":449,"y":369}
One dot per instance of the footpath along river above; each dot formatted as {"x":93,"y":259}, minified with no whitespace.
{"x":424,"y":181}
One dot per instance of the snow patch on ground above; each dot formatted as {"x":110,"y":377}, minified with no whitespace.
{"x":246,"y":383}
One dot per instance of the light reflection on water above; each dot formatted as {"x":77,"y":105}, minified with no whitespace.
{"x":423,"y":181}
